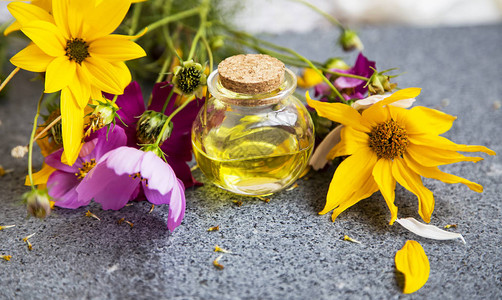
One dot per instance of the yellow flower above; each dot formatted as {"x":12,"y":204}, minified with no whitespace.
{"x":413,"y":263}
{"x":386,"y":144}
{"x":79,"y":55}
{"x":309,"y":79}
{"x":44,"y":4}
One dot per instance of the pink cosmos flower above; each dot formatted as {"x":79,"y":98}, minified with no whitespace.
{"x":119,"y":174}
{"x":178,"y":147}
{"x":63,"y":182}
{"x":351,"y":88}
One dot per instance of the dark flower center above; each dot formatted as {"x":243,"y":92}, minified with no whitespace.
{"x":188,"y":79}
{"x":388,"y":140}
{"x":77,"y":50}
{"x":86,"y":168}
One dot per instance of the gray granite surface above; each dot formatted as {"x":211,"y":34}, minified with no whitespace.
{"x":282,"y":249}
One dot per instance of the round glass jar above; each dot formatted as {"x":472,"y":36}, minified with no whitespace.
{"x":253,"y":144}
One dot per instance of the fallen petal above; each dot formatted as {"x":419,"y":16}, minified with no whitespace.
{"x":428,"y":231}
{"x":414,"y":264}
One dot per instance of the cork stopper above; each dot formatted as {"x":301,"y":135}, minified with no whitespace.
{"x":251,"y":73}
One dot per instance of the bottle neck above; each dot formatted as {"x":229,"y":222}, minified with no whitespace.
{"x":227,"y":96}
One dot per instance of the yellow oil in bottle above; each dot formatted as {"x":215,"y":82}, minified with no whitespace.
{"x":251,"y":162}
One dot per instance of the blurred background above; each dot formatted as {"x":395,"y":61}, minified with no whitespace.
{"x":276,"y":16}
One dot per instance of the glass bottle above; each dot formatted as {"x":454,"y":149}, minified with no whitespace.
{"x":256,"y":139}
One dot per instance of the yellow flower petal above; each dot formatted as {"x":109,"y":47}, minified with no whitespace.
{"x":105,"y":18}
{"x":431,"y":157}
{"x":73,"y":126}
{"x":435,"y":141}
{"x":80,"y":86}
{"x":338,"y":112}
{"x":32,"y":59}
{"x":413,"y":263}
{"x":382,"y":174}
{"x":113,"y":48}
{"x":413,"y":183}
{"x":46,"y":36}
{"x":123,"y":73}
{"x":309,"y":78}
{"x":60,"y":13}
{"x":60,"y":72}
{"x":434,"y":172}
{"x":25,"y":13}
{"x":400,"y":95}
{"x":364,"y":191}
{"x":350,"y":175}
{"x":103,"y":75}
{"x":41,"y":176}
{"x":426,"y":120}
{"x":351,"y":141}
{"x":78,"y":10}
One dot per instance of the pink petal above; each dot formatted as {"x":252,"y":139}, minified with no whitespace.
{"x":125,"y":160}
{"x":117,"y":192}
{"x":160,"y":175}
{"x":176,"y":207}
{"x":62,"y":187}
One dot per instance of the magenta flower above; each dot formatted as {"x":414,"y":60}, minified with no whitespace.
{"x":117,"y":177}
{"x":351,"y":88}
{"x":63,"y":182}
{"x":178,"y":147}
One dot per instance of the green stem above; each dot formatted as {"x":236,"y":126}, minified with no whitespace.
{"x":115,"y":99}
{"x":294,"y":53}
{"x":204,"y":9}
{"x":210,"y":55}
{"x":135,"y":17}
{"x":323,"y":13}
{"x":167,"y":100}
{"x":166,"y":124}
{"x":32,"y":138}
{"x":184,"y":14}
{"x":344,"y":74}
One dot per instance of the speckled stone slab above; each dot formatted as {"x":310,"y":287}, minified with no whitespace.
{"x":282,"y":249}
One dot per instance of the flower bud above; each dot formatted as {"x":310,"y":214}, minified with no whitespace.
{"x":38,"y":203}
{"x":150,"y":126}
{"x":350,"y":40}
{"x":189,"y":78}
{"x":216,"y":42}
{"x":104,"y":114}
{"x":379,"y":84}
{"x":336,"y":63}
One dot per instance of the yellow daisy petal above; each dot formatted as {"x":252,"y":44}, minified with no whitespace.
{"x":11,"y":28}
{"x":46,"y":36}
{"x":112,"y":48}
{"x":431,"y":157}
{"x":375,"y":115}
{"x":309,"y":78}
{"x":73,"y":126}
{"x":60,"y":13}
{"x":123,"y":73}
{"x":41,"y":176}
{"x":338,"y":112}
{"x":103,"y":76}
{"x":351,"y":141}
{"x":350,"y":175}
{"x":407,"y":93}
{"x":60,"y":72}
{"x":427,"y":120}
{"x":413,"y":183}
{"x":435,"y":141}
{"x":106,"y":17}
{"x":32,"y":59}
{"x":25,"y":13}
{"x":434,"y":172}
{"x":80,"y":86}
{"x":77,"y":12}
{"x":364,"y":191}
{"x":382,"y":174}
{"x":413,"y":263}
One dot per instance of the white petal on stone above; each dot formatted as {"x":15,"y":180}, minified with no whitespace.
{"x":318,"y":159}
{"x":428,"y":231}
